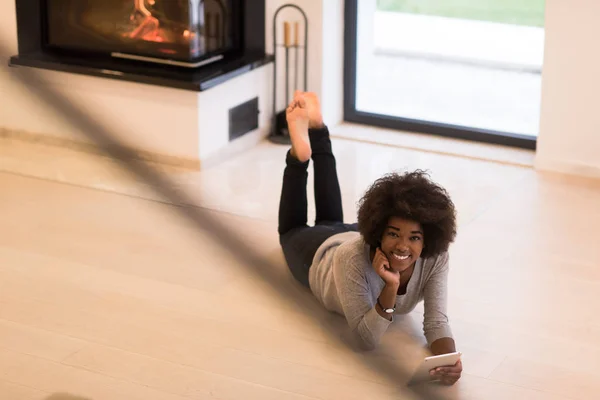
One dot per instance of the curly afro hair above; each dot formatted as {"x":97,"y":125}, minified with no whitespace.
{"x":411,"y":196}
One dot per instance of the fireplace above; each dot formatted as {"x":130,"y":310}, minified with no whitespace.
{"x":188,"y":33}
{"x":190,"y":44}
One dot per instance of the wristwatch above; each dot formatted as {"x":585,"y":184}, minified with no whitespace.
{"x":386,"y":310}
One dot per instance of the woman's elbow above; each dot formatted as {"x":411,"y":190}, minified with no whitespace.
{"x":358,"y":341}
{"x":368,"y":343}
{"x":368,"y":346}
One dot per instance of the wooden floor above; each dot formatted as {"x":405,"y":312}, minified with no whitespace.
{"x":108,"y":294}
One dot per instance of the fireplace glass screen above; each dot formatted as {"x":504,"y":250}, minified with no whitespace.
{"x":183,"y":30}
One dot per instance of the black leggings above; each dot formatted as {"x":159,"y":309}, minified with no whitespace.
{"x":298,"y":240}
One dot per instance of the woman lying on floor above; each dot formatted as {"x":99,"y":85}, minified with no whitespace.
{"x":394,"y":257}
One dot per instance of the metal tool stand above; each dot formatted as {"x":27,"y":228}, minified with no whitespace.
{"x":279,"y":129}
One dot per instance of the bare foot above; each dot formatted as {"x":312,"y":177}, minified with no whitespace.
{"x":315,"y":118}
{"x":297,"y":119}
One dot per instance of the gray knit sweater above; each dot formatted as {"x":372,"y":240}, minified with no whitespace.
{"x":344,"y":281}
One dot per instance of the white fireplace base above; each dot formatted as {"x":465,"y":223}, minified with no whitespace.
{"x":167,"y":125}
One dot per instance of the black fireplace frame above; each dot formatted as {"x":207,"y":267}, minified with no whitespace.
{"x":32,"y":53}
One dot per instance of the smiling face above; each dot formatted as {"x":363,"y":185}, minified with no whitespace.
{"x":402,"y":243}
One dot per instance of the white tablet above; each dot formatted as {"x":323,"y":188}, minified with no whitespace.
{"x":422,"y":374}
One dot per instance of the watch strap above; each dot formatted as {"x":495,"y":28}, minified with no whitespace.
{"x":386,"y":310}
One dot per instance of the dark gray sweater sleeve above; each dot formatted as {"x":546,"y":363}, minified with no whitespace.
{"x":435,"y":299}
{"x":357,"y":300}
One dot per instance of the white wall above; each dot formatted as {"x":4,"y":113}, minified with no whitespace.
{"x":332,"y":76}
{"x":569,"y":140}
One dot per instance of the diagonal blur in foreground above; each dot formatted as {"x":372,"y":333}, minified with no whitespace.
{"x":199,"y":218}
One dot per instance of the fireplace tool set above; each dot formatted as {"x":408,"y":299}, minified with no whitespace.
{"x":290,"y":46}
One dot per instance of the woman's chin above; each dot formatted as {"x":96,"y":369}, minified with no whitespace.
{"x":401,"y":268}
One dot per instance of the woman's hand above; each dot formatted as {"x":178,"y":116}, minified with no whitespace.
{"x":382,"y":267}
{"x":448,"y":375}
